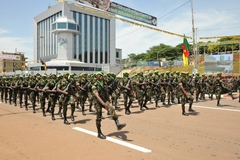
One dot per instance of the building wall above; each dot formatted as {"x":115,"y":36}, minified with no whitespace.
{"x":94,"y":45}
{"x":10,"y":62}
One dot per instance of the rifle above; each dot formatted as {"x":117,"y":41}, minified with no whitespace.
{"x":84,"y":87}
{"x":143,"y":86}
{"x":127,"y":86}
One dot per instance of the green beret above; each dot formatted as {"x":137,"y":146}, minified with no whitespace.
{"x":100,"y":73}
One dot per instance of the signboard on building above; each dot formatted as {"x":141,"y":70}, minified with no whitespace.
{"x":121,"y":10}
{"x":9,"y":57}
{"x":132,"y":13}
{"x":218,"y":63}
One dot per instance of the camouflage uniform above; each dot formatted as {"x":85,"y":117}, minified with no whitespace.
{"x":127,"y":91}
{"x":63,"y":88}
{"x":24,"y":86}
{"x":41,"y":86}
{"x":33,"y":92}
{"x":101,"y":100}
{"x":218,"y":88}
{"x":52,"y":94}
{"x":185,"y":94}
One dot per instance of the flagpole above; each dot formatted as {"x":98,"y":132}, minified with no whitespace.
{"x":193,"y":35}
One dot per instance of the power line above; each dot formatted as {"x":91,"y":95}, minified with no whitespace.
{"x":229,"y":9}
{"x":218,"y":28}
{"x":157,"y":18}
{"x":174,"y":9}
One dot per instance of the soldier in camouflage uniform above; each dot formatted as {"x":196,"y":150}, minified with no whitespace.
{"x":1,"y":88}
{"x":10,"y":89}
{"x":33,"y":92}
{"x":210,"y":82}
{"x":185,"y":94}
{"x":218,"y":87}
{"x":63,"y":89}
{"x":156,"y":88}
{"x":127,"y":91}
{"x":59,"y":99}
{"x":197,"y":85}
{"x":20,"y":90}
{"x":90,"y":78}
{"x":178,"y":91}
{"x":141,"y":83}
{"x":25,"y":88}
{"x":52,"y":94}
{"x":73,"y":96}
{"x":82,"y":85}
{"x":115,"y":90}
{"x":7,"y":88}
{"x":101,"y":100}
{"x":238,"y":88}
{"x":15,"y":89}
{"x":149,"y":88}
{"x":41,"y":86}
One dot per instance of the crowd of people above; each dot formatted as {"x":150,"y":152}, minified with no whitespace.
{"x":102,"y":90}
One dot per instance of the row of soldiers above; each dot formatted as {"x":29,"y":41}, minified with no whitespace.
{"x":64,"y":89}
{"x":170,"y":86}
{"x":166,"y":87}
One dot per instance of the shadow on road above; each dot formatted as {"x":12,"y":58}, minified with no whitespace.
{"x":122,"y":135}
{"x":193,"y":113}
{"x":83,"y":121}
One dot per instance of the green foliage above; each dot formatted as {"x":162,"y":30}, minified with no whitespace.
{"x":163,"y":51}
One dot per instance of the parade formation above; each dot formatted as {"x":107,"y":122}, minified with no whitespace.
{"x":103,"y":90}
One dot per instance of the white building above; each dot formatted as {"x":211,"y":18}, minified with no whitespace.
{"x":71,"y":37}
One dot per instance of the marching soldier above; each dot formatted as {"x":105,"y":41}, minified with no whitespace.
{"x":52,"y":94}
{"x":101,"y":100}
{"x":127,"y":90}
{"x":63,"y":89}
{"x":185,"y":94}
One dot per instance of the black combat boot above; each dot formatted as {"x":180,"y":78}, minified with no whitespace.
{"x":127,"y":111}
{"x":34,"y":110}
{"x":83,"y":111}
{"x":90,"y":109}
{"x":44,"y":113}
{"x":190,"y":108}
{"x":72,"y":112}
{"x":100,"y":134}
{"x":48,"y":109}
{"x":52,"y":112}
{"x":183,"y":111}
{"x":119,"y":126}
{"x":65,"y":121}
{"x":26,"y":108}
{"x":59,"y":112}
{"x":145,"y":105}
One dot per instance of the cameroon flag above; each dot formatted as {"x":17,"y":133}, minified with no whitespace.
{"x":186,"y":51}
{"x":43,"y":63}
{"x":3,"y":71}
{"x":23,"y":66}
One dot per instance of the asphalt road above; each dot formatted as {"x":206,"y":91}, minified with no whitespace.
{"x":210,"y":133}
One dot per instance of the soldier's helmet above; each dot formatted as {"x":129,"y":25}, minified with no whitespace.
{"x":100,"y":73}
{"x":125,"y":74}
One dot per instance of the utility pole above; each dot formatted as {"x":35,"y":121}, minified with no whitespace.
{"x":193,"y":35}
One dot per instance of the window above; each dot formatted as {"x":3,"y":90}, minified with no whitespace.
{"x":71,"y":26}
{"x":61,"y":25}
{"x":117,"y":54}
{"x":54,"y":26}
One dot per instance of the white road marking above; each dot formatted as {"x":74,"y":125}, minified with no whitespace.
{"x":222,"y":109}
{"x":129,"y":145}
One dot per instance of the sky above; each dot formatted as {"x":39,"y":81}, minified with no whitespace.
{"x":211,"y":18}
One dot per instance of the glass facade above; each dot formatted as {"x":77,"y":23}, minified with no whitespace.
{"x":46,"y":40}
{"x":91,"y":45}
